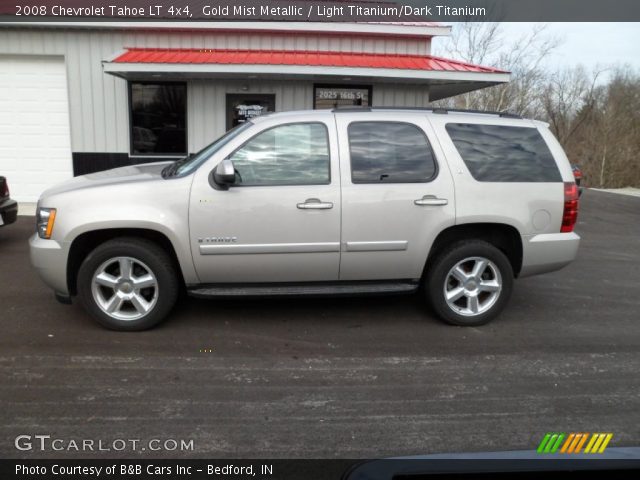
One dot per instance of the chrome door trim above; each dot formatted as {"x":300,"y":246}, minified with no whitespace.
{"x":388,"y":246}
{"x":258,"y":248}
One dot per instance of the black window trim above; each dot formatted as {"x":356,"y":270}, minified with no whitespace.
{"x":369,"y":89}
{"x":436,"y":170}
{"x":228,"y":157}
{"x":168,"y":156}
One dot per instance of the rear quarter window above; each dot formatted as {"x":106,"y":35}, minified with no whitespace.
{"x":497,"y":153}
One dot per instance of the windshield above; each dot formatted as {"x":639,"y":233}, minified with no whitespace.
{"x":192,"y":162}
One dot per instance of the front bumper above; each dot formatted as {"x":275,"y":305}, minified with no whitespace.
{"x":548,"y":252}
{"x":49,"y":258}
{"x":8,"y":212}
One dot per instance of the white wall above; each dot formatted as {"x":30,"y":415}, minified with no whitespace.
{"x":99,"y":102}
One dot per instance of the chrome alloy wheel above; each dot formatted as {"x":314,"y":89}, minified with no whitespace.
{"x":472,"y":286}
{"x":124,"y":288}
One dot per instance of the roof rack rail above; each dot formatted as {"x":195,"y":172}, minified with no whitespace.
{"x":503,"y":113}
{"x":438,"y":110}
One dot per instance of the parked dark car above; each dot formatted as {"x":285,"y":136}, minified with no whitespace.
{"x":8,"y":207}
{"x":577,"y":174}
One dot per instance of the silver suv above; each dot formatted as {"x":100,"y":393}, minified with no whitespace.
{"x":344,"y":202}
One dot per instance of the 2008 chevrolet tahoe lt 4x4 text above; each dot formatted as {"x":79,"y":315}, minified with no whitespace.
{"x":335,"y":202}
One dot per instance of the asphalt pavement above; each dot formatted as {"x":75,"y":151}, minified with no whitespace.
{"x":333,"y":378}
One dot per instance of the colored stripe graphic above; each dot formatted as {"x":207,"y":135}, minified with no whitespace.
{"x":556,"y":445}
{"x":568,"y":442}
{"x":573,"y":442}
{"x":543,"y":443}
{"x":593,"y":439}
{"x":606,"y":441}
{"x":581,"y":443}
{"x":598,"y":442}
{"x":551,"y":442}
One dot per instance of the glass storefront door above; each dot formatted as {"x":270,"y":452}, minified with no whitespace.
{"x":242,"y":107}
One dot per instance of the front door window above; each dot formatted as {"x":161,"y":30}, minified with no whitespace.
{"x":292,"y":154}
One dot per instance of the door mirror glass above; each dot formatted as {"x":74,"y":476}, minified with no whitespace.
{"x":225,"y":173}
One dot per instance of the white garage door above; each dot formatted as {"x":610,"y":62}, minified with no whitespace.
{"x":35,"y":141}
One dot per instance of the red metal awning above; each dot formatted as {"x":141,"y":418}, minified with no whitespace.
{"x":298,"y":58}
{"x":443,"y":77}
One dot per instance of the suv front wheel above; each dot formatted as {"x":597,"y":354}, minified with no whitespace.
{"x":469,"y":283}
{"x":128,"y":284}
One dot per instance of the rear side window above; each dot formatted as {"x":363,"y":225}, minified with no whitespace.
{"x":496,"y":153}
{"x":389,"y":152}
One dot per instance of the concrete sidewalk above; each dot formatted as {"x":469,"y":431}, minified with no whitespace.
{"x":634,"y":192}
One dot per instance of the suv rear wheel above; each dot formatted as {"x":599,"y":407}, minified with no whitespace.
{"x":128,"y":284}
{"x":469,"y":283}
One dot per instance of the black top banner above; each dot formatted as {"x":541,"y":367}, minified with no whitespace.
{"x":445,"y":11}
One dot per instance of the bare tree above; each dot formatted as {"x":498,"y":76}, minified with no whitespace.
{"x":484,"y":43}
{"x":569,"y":100}
{"x":606,"y":133}
{"x":475,"y":42}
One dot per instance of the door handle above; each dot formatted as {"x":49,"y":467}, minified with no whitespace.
{"x":431,"y":200}
{"x":314,"y":204}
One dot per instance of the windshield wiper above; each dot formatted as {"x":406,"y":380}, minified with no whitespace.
{"x":170,"y":170}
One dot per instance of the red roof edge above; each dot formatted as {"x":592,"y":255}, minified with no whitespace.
{"x":299,"y":57}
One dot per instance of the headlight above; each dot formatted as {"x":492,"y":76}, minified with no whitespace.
{"x":45,"y":218}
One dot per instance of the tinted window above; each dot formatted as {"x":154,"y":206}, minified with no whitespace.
{"x":158,"y":118}
{"x":294,"y":154}
{"x":495,"y":153}
{"x":390,"y":152}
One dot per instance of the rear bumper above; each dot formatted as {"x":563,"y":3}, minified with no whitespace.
{"x":548,"y":252}
{"x":8,"y":212}
{"x":49,"y":258}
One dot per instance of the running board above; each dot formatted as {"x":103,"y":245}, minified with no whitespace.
{"x":304,"y":290}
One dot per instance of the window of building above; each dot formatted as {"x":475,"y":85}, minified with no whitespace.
{"x":390,"y":152}
{"x":497,"y":153}
{"x":243,"y":107}
{"x":292,"y":154}
{"x":158,"y":118}
{"x":335,"y":96}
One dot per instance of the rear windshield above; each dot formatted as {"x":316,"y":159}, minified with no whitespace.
{"x":496,"y":153}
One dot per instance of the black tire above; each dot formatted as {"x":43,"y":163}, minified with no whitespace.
{"x":162,"y":296}
{"x":498,"y":271}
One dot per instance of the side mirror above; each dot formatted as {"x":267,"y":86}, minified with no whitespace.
{"x":225,"y":173}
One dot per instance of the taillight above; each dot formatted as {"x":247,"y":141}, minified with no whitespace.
{"x":4,"y":189}
{"x":570,"y":213}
